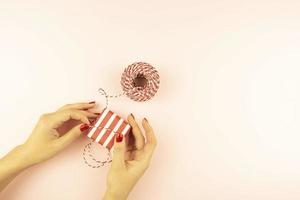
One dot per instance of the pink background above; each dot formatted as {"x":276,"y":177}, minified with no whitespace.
{"x":227,"y":115}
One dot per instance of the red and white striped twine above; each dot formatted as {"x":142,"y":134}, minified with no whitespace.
{"x":140,"y":93}
{"x":92,"y":161}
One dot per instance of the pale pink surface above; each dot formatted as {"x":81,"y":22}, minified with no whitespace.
{"x":227,"y":113}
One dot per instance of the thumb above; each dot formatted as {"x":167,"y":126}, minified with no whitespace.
{"x":72,"y":135}
{"x":118,"y":159}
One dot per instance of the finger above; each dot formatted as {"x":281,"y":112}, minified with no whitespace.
{"x":118,"y":160}
{"x":130,"y":142}
{"x":150,"y":136}
{"x":71,"y":135}
{"x":79,"y":106}
{"x":90,"y":114}
{"x":58,"y":118}
{"x":137,"y":133}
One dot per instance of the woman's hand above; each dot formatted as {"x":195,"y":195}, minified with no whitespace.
{"x":46,"y":141}
{"x":130,"y":160}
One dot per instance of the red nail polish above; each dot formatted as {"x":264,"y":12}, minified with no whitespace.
{"x":92,"y":102}
{"x":119,"y":137}
{"x":84,"y":127}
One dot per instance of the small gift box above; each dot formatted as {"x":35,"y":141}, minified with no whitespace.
{"x":105,"y":127}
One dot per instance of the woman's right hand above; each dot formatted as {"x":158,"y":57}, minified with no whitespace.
{"x":130,"y":160}
{"x":46,"y":141}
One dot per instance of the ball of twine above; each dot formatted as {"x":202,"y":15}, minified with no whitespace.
{"x":140,"y":81}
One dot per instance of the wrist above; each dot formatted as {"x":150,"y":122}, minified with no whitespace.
{"x":16,"y":160}
{"x":114,"y":195}
{"x":22,"y":157}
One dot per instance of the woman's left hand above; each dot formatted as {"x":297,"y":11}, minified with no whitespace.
{"x":45,"y":140}
{"x":130,"y":160}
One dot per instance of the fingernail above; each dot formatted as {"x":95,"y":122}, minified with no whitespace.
{"x":92,"y":102}
{"x":84,"y":127}
{"x":132,"y":116}
{"x":119,"y":137}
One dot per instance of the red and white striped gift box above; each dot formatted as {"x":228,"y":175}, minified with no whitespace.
{"x":105,"y":127}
